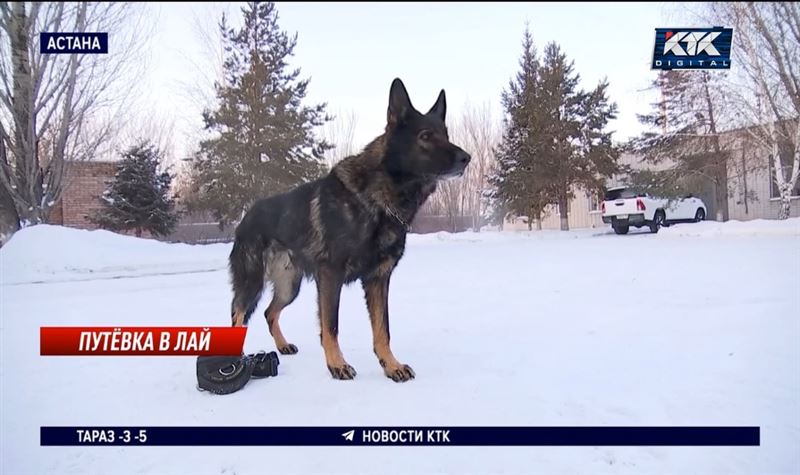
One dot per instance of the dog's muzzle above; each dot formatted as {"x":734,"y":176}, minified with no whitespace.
{"x":461,"y":161}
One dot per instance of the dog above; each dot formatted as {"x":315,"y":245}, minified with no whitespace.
{"x":348,"y":225}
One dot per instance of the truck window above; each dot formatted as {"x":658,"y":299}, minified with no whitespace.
{"x":620,"y":194}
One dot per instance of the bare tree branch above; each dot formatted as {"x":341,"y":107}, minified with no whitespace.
{"x":60,"y":108}
{"x":477,"y":132}
{"x":767,"y":91}
{"x":340,"y":132}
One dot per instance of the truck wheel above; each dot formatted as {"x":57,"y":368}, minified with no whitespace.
{"x":658,"y":221}
{"x":700,"y":215}
{"x":621,"y":228}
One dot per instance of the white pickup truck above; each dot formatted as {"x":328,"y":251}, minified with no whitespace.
{"x":623,"y":208}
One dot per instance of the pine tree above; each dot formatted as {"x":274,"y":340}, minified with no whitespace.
{"x":139,"y":197}
{"x":517,"y":186}
{"x":578,"y":151}
{"x":683,"y":143}
{"x":264,"y":137}
{"x":555,"y":138}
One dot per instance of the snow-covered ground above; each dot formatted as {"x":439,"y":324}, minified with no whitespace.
{"x":697,"y":325}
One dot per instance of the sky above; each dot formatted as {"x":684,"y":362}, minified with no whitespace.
{"x":353,"y":51}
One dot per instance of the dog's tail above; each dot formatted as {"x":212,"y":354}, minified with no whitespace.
{"x":247,"y":276}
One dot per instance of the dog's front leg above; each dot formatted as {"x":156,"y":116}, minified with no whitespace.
{"x":377,"y":294}
{"x":329,"y":287}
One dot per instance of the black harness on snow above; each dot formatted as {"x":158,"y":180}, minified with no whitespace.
{"x":228,"y":374}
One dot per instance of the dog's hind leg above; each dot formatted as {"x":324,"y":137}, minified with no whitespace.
{"x":247,"y":276}
{"x":286,"y":279}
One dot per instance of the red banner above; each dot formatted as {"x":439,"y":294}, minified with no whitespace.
{"x":141,"y":341}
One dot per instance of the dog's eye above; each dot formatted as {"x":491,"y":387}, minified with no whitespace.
{"x":425,"y":136}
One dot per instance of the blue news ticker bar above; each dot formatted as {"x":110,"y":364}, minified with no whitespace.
{"x":452,"y":436}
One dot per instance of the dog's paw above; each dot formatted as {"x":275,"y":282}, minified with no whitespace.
{"x":289,"y":349}
{"x":400,"y":373}
{"x":342,"y":372}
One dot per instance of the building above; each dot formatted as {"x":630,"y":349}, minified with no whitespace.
{"x":84,"y":183}
{"x":752,"y":190}
{"x":752,"y":193}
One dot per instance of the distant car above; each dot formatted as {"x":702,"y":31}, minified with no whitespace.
{"x":623,"y":208}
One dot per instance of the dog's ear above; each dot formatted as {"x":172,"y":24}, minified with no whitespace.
{"x":440,"y":108}
{"x":399,"y":103}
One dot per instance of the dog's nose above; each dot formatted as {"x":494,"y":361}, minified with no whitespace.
{"x":463,"y":158}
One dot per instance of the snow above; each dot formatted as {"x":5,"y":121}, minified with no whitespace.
{"x":46,"y":253}
{"x":502,"y":328}
{"x":756,"y":227}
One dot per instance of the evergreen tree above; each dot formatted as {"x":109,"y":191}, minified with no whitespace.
{"x":554,"y":140}
{"x":683,"y":143}
{"x":264,"y":137}
{"x":577,"y":150}
{"x":518,"y":187}
{"x":139,"y":197}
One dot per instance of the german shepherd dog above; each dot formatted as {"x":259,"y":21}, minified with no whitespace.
{"x":348,"y":225}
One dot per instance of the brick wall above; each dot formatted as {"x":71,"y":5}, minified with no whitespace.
{"x":84,"y":183}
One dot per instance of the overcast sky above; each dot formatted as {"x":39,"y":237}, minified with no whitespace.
{"x":352,"y":51}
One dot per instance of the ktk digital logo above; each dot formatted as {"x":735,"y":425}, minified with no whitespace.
{"x":692,"y":48}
